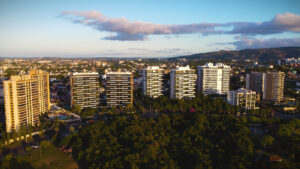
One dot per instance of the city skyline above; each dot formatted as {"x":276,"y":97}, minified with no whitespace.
{"x":144,"y":29}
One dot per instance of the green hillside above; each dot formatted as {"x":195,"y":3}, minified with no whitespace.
{"x":265,"y":54}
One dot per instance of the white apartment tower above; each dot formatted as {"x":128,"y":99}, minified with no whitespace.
{"x":183,"y":81}
{"x":152,"y":81}
{"x":213,"y":79}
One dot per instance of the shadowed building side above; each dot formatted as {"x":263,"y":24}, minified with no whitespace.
{"x":85,"y":89}
{"x":119,"y":89}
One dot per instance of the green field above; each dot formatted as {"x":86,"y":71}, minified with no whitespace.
{"x":51,"y":157}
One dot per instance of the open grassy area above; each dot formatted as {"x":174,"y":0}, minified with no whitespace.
{"x":51,"y":157}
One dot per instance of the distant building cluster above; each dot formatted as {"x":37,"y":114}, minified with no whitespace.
{"x":292,"y":61}
{"x":27,"y":96}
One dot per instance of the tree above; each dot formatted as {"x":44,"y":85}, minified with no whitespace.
{"x":88,"y":112}
{"x":267,"y":140}
{"x":76,"y":109}
{"x":71,"y":129}
{"x":43,"y":145}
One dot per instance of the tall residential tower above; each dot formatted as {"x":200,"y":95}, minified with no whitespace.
{"x":44,"y":91}
{"x":22,"y":102}
{"x":183,"y":80}
{"x":273,"y":86}
{"x":255,"y":82}
{"x":119,"y":88}
{"x":85,"y":89}
{"x":213,"y":79}
{"x":152,"y":81}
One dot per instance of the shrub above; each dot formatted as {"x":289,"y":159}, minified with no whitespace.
{"x":8,"y":157}
{"x":28,"y":148}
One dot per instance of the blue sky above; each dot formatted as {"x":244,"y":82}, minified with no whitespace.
{"x":153,"y":28}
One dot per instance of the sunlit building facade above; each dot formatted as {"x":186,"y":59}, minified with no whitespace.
{"x":213,"y":79}
{"x":22,"y":102}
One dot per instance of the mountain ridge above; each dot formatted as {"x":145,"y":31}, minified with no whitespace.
{"x":261,"y":54}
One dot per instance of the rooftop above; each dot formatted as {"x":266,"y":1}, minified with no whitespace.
{"x":153,"y":68}
{"x":187,"y":67}
{"x":211,"y":65}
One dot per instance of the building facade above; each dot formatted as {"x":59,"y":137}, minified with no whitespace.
{"x":213,"y":79}
{"x":182,"y":83}
{"x":242,"y":98}
{"x":85,"y":89}
{"x":22,"y":102}
{"x":43,"y":87}
{"x":119,"y":88}
{"x":255,"y":82}
{"x":153,"y":81}
{"x":273,"y":86}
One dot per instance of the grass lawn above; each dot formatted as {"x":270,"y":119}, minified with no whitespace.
{"x":51,"y":157}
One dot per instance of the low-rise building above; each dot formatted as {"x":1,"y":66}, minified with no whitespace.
{"x":242,"y":98}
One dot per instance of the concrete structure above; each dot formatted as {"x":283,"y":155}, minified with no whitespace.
{"x":242,"y":98}
{"x":153,"y":81}
{"x":183,"y":82}
{"x":22,"y":102}
{"x":255,"y":82}
{"x":119,"y":88}
{"x":85,"y":89}
{"x":213,"y":79}
{"x":273,"y":86}
{"x":44,"y":91}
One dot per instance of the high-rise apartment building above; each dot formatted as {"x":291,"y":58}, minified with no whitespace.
{"x":22,"y":102}
{"x":119,"y":88}
{"x":43,"y":87}
{"x":273,"y":86}
{"x":213,"y":79}
{"x":242,"y":98}
{"x":183,"y":82}
{"x":85,"y":89}
{"x":153,"y":81}
{"x":255,"y":82}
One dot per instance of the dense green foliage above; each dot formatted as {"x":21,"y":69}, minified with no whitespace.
{"x":168,"y":141}
{"x":201,"y":103}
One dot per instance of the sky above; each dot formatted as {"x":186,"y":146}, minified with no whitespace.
{"x":135,"y":28}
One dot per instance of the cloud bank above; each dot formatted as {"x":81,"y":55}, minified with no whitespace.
{"x":136,"y":30}
{"x":125,"y":30}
